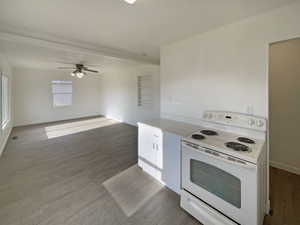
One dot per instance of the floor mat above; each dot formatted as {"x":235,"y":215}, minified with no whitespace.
{"x":132,"y":188}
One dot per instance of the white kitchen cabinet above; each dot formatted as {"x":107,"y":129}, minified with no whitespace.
{"x":159,"y":155}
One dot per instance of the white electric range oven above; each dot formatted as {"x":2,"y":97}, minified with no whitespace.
{"x":224,"y":170}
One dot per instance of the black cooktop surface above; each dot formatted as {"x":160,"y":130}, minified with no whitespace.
{"x":246,"y":140}
{"x":237,"y":146}
{"x":209,"y":132}
{"x":198,"y":136}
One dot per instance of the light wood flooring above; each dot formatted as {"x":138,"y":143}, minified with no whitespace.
{"x":53,"y":174}
{"x":285,"y":198}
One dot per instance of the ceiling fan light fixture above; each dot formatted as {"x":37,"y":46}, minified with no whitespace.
{"x":130,"y":1}
{"x":80,"y":74}
{"x":79,"y":70}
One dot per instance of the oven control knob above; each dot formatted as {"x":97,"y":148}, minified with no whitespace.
{"x":251,"y":122}
{"x":209,"y":115}
{"x":260,"y":123}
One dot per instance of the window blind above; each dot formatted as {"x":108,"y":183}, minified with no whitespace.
{"x":62,"y":92}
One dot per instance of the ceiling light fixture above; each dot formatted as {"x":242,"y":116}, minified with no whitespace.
{"x":130,"y":1}
{"x":79,"y":70}
{"x":80,"y":74}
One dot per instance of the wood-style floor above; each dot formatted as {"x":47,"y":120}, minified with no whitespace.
{"x":285,"y":198}
{"x":53,"y":174}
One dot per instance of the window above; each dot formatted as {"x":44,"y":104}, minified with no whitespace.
{"x":216,"y":181}
{"x":62,"y":93}
{"x":5,"y":101}
{"x":145,"y":91}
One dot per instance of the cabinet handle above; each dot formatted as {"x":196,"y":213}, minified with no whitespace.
{"x":153,"y":147}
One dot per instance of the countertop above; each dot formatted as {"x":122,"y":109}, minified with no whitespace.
{"x":179,"y":128}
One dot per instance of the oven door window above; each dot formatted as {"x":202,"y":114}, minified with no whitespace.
{"x":216,"y":181}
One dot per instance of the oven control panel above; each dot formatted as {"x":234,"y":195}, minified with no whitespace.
{"x":236,"y":119}
{"x":234,"y":160}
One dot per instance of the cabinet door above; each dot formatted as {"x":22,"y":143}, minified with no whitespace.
{"x":158,"y":144}
{"x":146,"y":146}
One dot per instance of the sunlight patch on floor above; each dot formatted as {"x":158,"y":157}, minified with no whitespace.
{"x":68,"y":128}
{"x":132,"y":188}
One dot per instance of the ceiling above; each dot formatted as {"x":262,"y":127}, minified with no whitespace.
{"x":42,"y":57}
{"x":138,"y":29}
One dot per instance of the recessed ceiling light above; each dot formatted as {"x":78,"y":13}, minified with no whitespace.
{"x":130,"y":1}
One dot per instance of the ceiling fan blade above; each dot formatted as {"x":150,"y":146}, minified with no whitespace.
{"x":93,"y":71}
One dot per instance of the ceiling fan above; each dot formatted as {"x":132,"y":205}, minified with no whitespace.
{"x":80,"y":70}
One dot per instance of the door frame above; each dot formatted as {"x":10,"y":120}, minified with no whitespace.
{"x":268,"y":138}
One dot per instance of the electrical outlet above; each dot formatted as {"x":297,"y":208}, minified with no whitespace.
{"x":250,"y":109}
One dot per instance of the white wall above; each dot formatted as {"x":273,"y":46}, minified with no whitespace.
{"x":119,"y":93}
{"x":224,"y":69}
{"x":33,"y":98}
{"x":5,"y":68}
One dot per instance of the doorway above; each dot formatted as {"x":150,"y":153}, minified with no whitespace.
{"x":284,"y":104}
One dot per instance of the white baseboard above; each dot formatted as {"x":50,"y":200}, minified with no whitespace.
{"x":268,"y":207}
{"x":285,"y":167}
{"x":5,"y":141}
{"x":121,"y":121}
